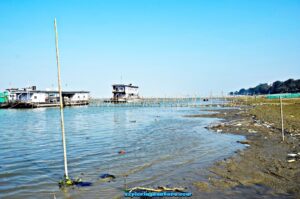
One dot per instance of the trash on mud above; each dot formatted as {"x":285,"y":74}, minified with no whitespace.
{"x":291,"y":160}
{"x":293,"y":135}
{"x":244,"y":142}
{"x":251,"y":131}
{"x":257,"y":124}
{"x":292,"y":157}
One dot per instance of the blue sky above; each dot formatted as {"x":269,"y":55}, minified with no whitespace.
{"x":167,"y":47}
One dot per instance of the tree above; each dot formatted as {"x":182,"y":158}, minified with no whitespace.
{"x":288,"y":86}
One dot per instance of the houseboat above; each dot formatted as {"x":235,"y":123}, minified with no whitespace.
{"x":32,"y":98}
{"x":123,"y":93}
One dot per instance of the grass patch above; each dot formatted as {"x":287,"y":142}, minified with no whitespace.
{"x":268,"y":110}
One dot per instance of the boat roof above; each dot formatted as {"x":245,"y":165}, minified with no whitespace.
{"x":127,"y":85}
{"x":44,"y":91}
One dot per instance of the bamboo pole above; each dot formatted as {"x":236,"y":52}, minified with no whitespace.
{"x":281,"y":114}
{"x":61,"y":103}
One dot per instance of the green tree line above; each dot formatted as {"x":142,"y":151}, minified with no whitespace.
{"x":288,"y":86}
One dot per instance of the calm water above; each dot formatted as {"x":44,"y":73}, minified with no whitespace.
{"x":162,"y":148}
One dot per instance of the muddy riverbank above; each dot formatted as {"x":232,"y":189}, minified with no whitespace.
{"x":267,"y":167}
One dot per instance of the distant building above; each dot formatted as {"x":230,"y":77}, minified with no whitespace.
{"x":125,"y":93}
{"x":3,"y":97}
{"x":32,"y":98}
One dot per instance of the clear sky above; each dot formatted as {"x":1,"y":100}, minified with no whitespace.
{"x":166,"y":47}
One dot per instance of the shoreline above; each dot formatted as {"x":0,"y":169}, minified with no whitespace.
{"x":262,"y":168}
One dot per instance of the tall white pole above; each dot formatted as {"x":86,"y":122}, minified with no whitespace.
{"x":61,"y":103}
{"x":281,"y":113}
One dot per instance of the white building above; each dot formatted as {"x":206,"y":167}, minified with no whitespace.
{"x":123,"y":92}
{"x":74,"y":96}
{"x":47,"y":98}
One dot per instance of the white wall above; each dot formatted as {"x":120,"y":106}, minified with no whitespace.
{"x":12,"y":97}
{"x":80,"y":97}
{"x":39,"y":97}
{"x":130,"y":90}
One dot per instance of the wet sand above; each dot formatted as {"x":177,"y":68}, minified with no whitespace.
{"x":263,"y":169}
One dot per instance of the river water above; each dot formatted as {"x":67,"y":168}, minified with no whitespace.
{"x":162,"y":148}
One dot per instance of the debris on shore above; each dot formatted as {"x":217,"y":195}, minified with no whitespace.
{"x":267,"y":161}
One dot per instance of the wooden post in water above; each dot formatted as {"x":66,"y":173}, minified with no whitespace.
{"x":61,"y":103}
{"x":281,"y":114}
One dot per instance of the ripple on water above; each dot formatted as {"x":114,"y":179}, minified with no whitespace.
{"x":159,"y":145}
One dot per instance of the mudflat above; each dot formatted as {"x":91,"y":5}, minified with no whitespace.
{"x":268,"y":163}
